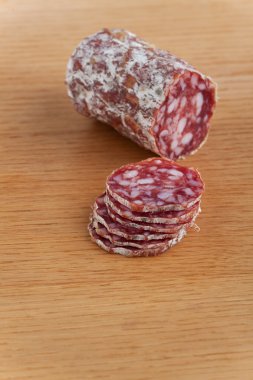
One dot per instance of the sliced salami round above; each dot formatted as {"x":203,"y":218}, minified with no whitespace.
{"x":167,"y":217}
{"x":134,"y":251}
{"x":185,"y":119}
{"x":124,"y":242}
{"x":153,"y":227}
{"x":107,"y":224}
{"x":155,"y":184}
{"x":148,"y":95}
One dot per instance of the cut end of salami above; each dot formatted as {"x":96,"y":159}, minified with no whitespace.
{"x":182,"y":122}
{"x":148,"y":207}
{"x":147,"y":94}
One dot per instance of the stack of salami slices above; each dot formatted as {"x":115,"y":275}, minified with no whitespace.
{"x":147,"y":208}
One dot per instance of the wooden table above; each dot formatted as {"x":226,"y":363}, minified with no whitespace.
{"x":69,"y":311}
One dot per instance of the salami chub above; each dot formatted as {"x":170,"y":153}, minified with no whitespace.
{"x":148,"y":207}
{"x":147,"y":94}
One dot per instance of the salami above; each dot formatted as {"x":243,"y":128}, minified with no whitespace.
{"x":148,"y":207}
{"x":153,"y":227}
{"x":105,"y":224}
{"x":148,"y":95}
{"x":155,"y":184}
{"x":125,"y":242}
{"x":130,"y":251}
{"x":167,"y":217}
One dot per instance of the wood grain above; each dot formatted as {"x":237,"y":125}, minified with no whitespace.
{"x":67,"y":309}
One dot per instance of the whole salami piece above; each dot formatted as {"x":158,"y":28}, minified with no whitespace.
{"x":147,"y":94}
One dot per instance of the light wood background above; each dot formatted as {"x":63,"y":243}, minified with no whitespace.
{"x":67,"y":309}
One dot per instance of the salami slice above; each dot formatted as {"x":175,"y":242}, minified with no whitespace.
{"x":104,"y":224}
{"x":155,"y":184}
{"x":134,"y":251}
{"x":148,"y":95}
{"x":167,"y":217}
{"x":153,"y":227}
{"x":125,"y":242}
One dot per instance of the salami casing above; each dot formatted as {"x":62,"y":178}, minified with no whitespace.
{"x":147,"y":94}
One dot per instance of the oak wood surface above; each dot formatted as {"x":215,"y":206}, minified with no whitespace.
{"x":67,"y":309}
